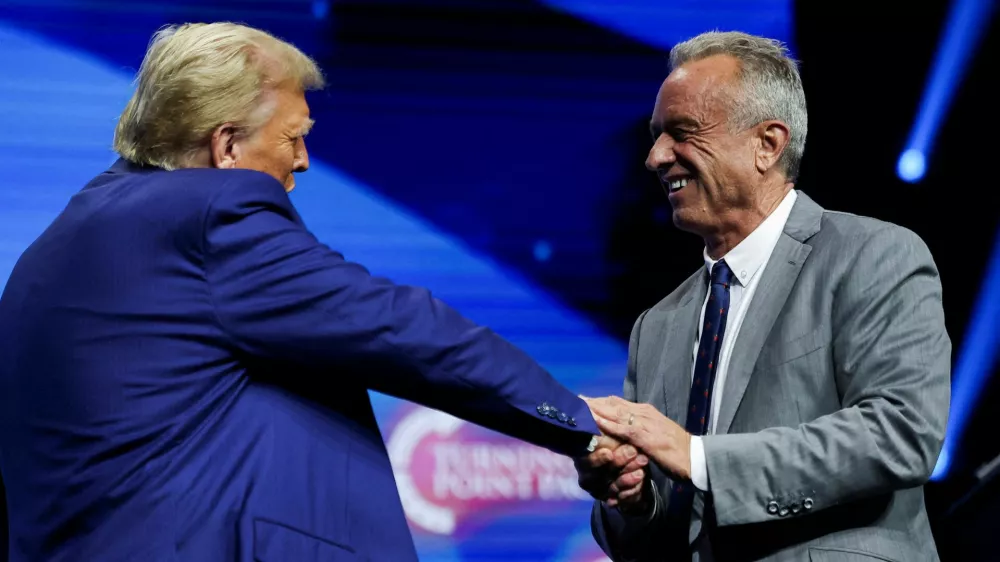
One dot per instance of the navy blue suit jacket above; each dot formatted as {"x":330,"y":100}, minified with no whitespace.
{"x":184,"y":372}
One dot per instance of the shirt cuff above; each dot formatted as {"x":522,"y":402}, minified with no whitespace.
{"x":699,"y":465}
{"x":656,"y":500}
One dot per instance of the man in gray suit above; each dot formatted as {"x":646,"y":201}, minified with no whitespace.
{"x":790,"y":397}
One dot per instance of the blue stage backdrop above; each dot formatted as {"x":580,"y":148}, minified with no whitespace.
{"x":471,"y":157}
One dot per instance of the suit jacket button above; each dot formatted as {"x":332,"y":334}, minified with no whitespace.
{"x":542,"y":408}
{"x":796,"y":507}
{"x":551,"y":413}
{"x":783,"y":511}
{"x":808,"y":503}
{"x":772,"y":508}
{"x":571,"y":422}
{"x":562,"y":417}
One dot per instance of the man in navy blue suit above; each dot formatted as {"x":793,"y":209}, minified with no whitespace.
{"x":184,"y":368}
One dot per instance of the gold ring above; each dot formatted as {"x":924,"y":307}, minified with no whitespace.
{"x":631,"y":418}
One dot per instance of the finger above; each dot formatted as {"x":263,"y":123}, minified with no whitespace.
{"x":631,"y":495}
{"x":608,"y":443}
{"x":618,"y":401}
{"x":624,"y":454}
{"x":624,"y":410}
{"x":595,"y":461}
{"x":600,"y":457}
{"x":640,"y":461}
{"x":603,"y":408}
{"x":590,"y":399}
{"x":629,"y":480}
{"x":615,"y":429}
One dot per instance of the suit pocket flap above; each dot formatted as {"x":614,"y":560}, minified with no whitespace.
{"x":795,"y":348}
{"x":274,"y":542}
{"x":844,"y":555}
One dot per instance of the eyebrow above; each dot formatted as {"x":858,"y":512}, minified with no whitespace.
{"x":306,"y":127}
{"x":655,"y":127}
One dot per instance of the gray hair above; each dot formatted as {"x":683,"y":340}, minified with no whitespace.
{"x":196,"y":77}
{"x":770,"y":85}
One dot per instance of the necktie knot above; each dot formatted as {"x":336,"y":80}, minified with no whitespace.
{"x":721,"y":274}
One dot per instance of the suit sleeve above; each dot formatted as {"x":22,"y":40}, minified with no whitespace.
{"x":892,"y":360}
{"x":280,"y":294}
{"x":640,"y":537}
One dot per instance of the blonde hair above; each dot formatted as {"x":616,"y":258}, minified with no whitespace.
{"x":198,"y":76}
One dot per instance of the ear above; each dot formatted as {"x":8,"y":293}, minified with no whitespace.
{"x":773,"y":137}
{"x":225,"y":151}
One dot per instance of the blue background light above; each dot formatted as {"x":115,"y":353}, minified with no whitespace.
{"x":912,"y":165}
{"x":965,"y":25}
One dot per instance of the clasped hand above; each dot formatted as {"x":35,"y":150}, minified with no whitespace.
{"x":617,"y":472}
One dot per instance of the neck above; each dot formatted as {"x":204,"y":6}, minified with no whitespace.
{"x":737,"y":224}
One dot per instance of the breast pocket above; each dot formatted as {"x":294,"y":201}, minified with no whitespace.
{"x":275,"y":542}
{"x":794,"y":348}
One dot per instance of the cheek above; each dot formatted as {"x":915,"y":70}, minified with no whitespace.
{"x":697,"y":160}
{"x":723,"y":164}
{"x":288,"y":157}
{"x":279,"y":160}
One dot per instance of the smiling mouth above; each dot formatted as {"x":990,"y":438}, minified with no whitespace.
{"x":676,"y":184}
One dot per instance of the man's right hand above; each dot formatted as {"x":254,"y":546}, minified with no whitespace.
{"x":616,"y":474}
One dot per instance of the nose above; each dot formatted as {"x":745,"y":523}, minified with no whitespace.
{"x":301,"y":163}
{"x":661,"y":154}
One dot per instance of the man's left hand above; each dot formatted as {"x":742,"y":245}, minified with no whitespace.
{"x":659,"y":437}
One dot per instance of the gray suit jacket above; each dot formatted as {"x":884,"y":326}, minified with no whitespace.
{"x":834,"y":407}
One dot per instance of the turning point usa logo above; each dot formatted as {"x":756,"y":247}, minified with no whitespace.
{"x":447,"y":468}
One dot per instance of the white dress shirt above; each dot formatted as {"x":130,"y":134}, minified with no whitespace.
{"x":747,"y":261}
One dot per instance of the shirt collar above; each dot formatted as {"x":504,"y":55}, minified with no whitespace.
{"x":746,"y":259}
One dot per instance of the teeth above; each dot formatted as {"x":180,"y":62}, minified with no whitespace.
{"x":677,"y":184}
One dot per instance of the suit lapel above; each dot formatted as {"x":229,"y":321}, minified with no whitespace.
{"x":677,"y":355}
{"x":772,"y":292}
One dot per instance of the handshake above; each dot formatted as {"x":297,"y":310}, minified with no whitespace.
{"x":634,"y":435}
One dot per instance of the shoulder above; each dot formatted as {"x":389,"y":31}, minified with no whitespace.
{"x":195,"y":188}
{"x":858,"y":239}
{"x":861,"y":258}
{"x":232,"y":192}
{"x":212,"y":196}
{"x":196,"y":201}
{"x":852,"y":229}
{"x":222,"y":186}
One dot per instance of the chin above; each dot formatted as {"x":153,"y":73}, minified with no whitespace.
{"x":686,"y":220}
